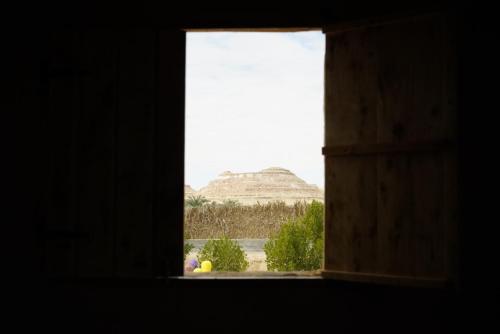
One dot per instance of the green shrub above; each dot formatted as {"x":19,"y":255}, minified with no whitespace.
{"x":298,"y":245}
{"x":225,"y":255}
{"x":188,"y":247}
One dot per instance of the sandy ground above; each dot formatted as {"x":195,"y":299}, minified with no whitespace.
{"x":257,"y":260}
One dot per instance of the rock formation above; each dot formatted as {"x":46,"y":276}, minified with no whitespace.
{"x":271,"y":184}
{"x":188,"y":191}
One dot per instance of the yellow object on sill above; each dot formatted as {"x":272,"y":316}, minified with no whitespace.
{"x":206,"y":266}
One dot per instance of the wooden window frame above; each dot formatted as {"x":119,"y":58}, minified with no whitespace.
{"x":177,"y":239}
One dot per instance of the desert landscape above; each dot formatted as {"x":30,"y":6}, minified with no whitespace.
{"x":246,"y":207}
{"x":268,"y":185}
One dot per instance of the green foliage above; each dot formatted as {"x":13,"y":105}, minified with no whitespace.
{"x":196,"y":201}
{"x":225,"y":255}
{"x":299,"y":243}
{"x":188,"y":247}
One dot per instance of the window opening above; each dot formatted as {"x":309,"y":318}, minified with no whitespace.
{"x":254,"y":168}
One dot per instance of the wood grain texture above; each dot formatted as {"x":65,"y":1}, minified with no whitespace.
{"x":389,"y":118}
{"x":351,"y":218}
{"x":374,"y":149}
{"x":410,"y":65}
{"x":396,"y":205}
{"x":350,"y":100}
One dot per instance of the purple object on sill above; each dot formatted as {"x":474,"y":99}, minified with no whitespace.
{"x":191,"y":265}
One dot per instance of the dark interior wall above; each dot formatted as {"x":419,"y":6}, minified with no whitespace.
{"x":76,"y":92}
{"x":477,"y":95}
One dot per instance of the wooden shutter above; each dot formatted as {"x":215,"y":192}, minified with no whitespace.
{"x":390,"y":134}
{"x":116,"y":182}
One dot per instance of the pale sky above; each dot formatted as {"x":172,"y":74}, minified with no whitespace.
{"x":253,"y":101}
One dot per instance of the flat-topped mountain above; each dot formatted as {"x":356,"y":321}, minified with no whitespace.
{"x":188,"y":191}
{"x":270,"y":184}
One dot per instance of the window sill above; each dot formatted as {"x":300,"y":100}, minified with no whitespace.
{"x":252,"y":275}
{"x":352,"y":278}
